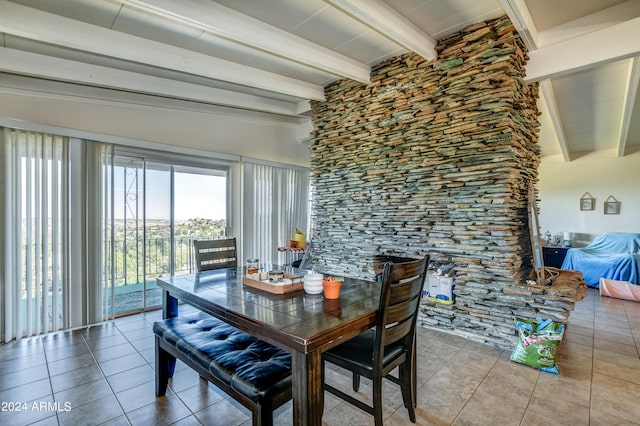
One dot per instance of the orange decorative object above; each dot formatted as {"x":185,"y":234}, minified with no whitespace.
{"x":331,"y":288}
{"x":293,"y":243}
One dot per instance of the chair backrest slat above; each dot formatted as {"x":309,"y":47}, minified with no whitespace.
{"x":406,"y":270}
{"x":215,"y":254}
{"x":397,"y":332}
{"x":402,"y":311}
{"x":406,"y":290}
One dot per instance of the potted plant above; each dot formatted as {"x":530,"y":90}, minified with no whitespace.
{"x":331,"y":287}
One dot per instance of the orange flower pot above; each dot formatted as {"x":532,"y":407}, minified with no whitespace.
{"x":331,"y":288}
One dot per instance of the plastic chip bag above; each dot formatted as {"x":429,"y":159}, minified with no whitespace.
{"x":537,"y":343}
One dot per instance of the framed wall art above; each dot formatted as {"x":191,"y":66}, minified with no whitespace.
{"x":611,"y":205}
{"x":587,"y":202}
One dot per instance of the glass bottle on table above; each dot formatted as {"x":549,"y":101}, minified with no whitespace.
{"x":253,"y":266}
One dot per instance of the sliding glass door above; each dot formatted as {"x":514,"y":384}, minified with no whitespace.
{"x":159,"y":209}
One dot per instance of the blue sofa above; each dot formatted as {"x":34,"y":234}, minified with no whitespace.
{"x":613,"y":255}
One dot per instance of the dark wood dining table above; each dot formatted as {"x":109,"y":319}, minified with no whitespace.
{"x":304,"y":324}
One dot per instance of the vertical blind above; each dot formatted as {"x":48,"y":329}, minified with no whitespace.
{"x":36,"y":246}
{"x":57,"y":274}
{"x":100,"y":298}
{"x":275,"y":203}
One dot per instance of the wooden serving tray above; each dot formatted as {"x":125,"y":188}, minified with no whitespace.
{"x":275,"y":288}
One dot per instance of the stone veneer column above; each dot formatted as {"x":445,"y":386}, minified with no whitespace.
{"x":435,"y":157}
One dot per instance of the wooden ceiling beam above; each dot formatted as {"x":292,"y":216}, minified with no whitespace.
{"x":234,"y":26}
{"x":45,"y":27}
{"x":519,"y":15}
{"x":629,"y":101}
{"x":599,"y":47}
{"x":43,"y":66}
{"x":384,"y":19}
{"x":549,"y":104}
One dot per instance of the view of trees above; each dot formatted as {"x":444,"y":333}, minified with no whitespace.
{"x":129,"y":253}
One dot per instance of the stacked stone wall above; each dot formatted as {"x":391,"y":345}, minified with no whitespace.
{"x":436,"y":157}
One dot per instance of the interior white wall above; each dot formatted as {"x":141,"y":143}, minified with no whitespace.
{"x":215,"y":129}
{"x":563,"y":183}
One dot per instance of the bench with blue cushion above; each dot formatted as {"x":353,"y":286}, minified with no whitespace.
{"x":255,"y":373}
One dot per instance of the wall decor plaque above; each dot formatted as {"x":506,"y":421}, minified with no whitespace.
{"x":611,"y":205}
{"x":587,"y":202}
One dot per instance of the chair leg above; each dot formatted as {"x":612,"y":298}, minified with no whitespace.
{"x":407,"y":376}
{"x":406,"y":386}
{"x":356,"y":382}
{"x":414,"y":376}
{"x":377,"y":401}
{"x":165,"y":365}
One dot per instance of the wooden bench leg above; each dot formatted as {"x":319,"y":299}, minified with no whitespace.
{"x":262,"y":415}
{"x":165,"y":365}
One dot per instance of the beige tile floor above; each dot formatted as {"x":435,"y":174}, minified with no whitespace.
{"x":104,"y":374}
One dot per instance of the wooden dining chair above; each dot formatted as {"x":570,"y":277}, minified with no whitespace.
{"x":378,"y":351}
{"x":215,"y":254}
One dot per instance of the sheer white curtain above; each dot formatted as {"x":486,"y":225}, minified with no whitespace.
{"x":98,"y":265}
{"x":36,"y":243}
{"x":275,"y":203}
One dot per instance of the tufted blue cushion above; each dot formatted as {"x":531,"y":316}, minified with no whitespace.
{"x":174,"y":329}
{"x":249,"y":365}
{"x":260,"y":371}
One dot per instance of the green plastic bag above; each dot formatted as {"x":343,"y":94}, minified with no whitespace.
{"x":537,"y":343}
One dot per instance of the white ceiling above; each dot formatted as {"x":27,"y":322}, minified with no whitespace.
{"x":274,"y":55}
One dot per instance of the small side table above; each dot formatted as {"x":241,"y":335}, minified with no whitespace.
{"x":554,"y":256}
{"x":291,"y":254}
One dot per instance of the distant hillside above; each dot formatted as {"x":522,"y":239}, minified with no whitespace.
{"x":128,"y":268}
{"x":190,"y":228}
